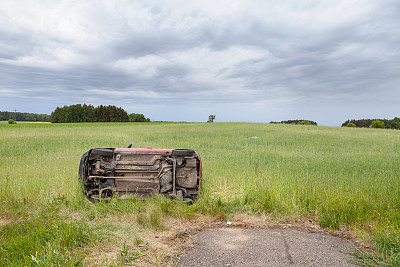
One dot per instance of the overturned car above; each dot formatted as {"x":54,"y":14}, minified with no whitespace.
{"x":140,"y":172}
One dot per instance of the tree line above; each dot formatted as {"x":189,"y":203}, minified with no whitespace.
{"x":137,"y":117}
{"x":299,"y":122}
{"x":18,"y":116}
{"x":367,"y":123}
{"x":89,"y":113}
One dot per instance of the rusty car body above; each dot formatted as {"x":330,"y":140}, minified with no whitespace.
{"x":140,"y":172}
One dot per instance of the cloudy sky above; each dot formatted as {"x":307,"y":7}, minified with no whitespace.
{"x":255,"y":61}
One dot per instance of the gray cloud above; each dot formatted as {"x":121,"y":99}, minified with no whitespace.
{"x":261,"y":59}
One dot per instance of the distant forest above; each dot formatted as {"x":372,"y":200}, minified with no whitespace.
{"x":301,"y":122}
{"x":366,"y":123}
{"x":18,"y":116}
{"x":89,"y":113}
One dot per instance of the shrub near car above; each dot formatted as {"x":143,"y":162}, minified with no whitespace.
{"x":140,"y":172}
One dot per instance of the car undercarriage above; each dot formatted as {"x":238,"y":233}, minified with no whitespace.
{"x":140,"y":172}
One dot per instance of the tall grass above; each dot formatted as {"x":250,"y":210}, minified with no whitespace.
{"x":46,"y":239}
{"x":336,"y":175}
{"x":351,"y":173}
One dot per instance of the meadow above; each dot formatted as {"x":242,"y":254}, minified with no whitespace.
{"x":337,"y":177}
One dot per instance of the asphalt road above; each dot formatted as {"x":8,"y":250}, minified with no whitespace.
{"x":266,"y":247}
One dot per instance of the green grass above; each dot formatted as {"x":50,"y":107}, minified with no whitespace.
{"x":334,"y":175}
{"x":46,"y":239}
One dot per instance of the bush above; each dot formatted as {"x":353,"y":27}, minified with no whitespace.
{"x":378,"y":124}
{"x":367,"y":123}
{"x":211,"y":118}
{"x":293,"y":122}
{"x":304,"y":122}
{"x":137,"y":117}
{"x":350,"y":124}
{"x":11,"y":121}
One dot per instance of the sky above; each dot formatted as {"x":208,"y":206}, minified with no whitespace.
{"x":251,"y":61}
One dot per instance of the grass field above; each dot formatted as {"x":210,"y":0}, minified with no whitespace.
{"x":339,"y":177}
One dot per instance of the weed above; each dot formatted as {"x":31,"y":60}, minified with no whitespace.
{"x":138,"y":241}
{"x":127,"y":256}
{"x":330,"y":220}
{"x":387,"y":251}
{"x":150,"y":218}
